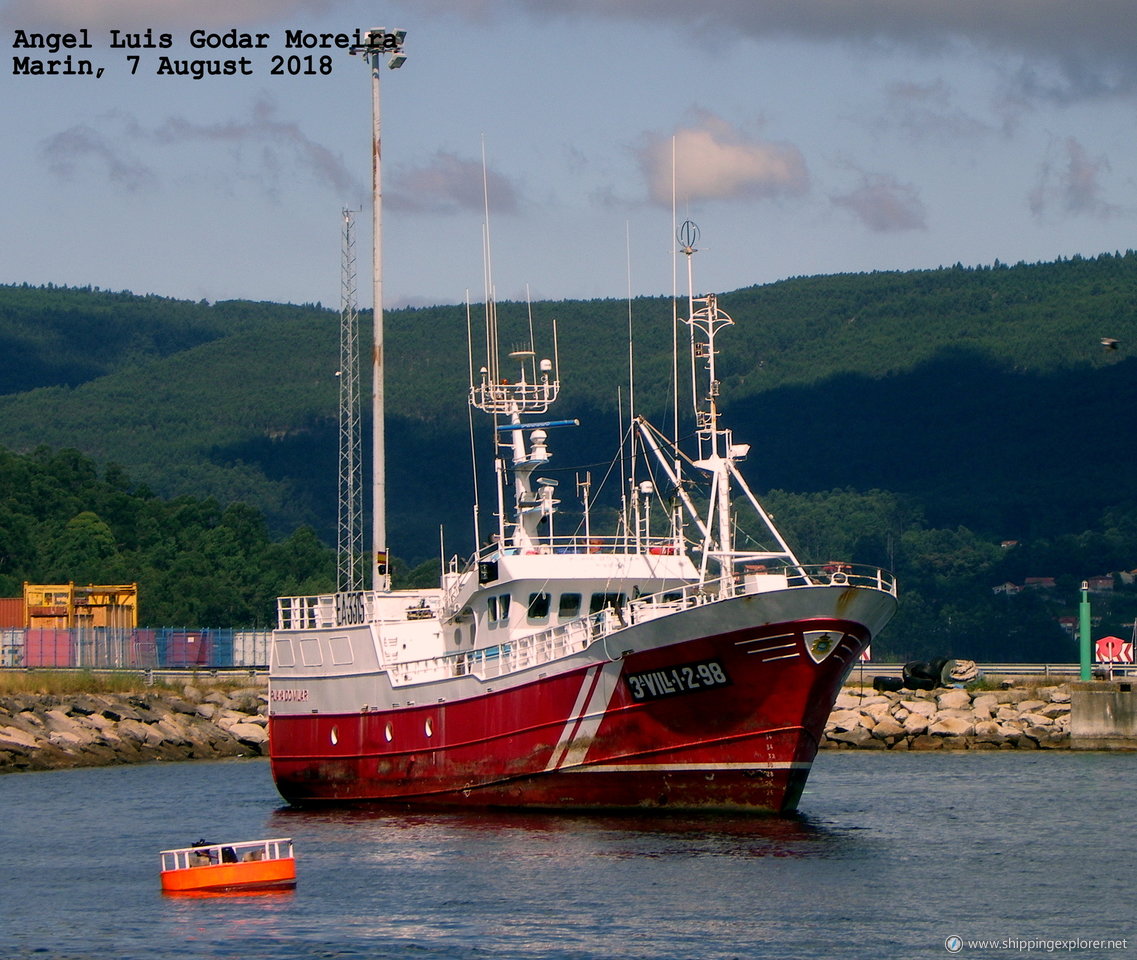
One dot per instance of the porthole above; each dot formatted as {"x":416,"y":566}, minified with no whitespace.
{"x":389,"y":732}
{"x":335,"y":735}
{"x":429,"y":727}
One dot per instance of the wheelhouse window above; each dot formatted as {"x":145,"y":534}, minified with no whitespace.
{"x":569,"y":606}
{"x":601,"y":601}
{"x":539,"y":607}
{"x":492,"y":602}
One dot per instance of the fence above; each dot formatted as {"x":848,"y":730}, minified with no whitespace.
{"x":141,"y":648}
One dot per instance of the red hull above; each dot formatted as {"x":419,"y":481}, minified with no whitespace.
{"x":662,"y":728}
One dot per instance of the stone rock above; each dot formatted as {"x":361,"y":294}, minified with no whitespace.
{"x":916,"y":724}
{"x":878,"y":711}
{"x":954,"y":700}
{"x":951,"y":727}
{"x":888,"y":728}
{"x":857,"y":736}
{"x":85,"y":706}
{"x":926,"y":742}
{"x":985,"y":706}
{"x":847,"y":701}
{"x":121,"y":711}
{"x":181,"y":706}
{"x":227,"y":718}
{"x":1055,"y":710}
{"x":843,"y":720}
{"x":249,"y":732}
{"x":138,"y":732}
{"x":15,"y":737}
{"x":1029,"y":706}
{"x":207,"y":710}
{"x":988,"y":731}
{"x":58,"y":721}
{"x":923,"y":707}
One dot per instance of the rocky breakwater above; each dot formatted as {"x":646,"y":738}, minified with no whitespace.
{"x":49,"y":732}
{"x":951,"y":719}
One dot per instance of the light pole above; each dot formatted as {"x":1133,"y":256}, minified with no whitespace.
{"x":1084,"y":643}
{"x":380,"y":45}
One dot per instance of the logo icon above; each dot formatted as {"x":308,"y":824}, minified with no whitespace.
{"x":953,"y":944}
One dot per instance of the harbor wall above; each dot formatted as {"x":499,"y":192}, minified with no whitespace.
{"x":1026,"y":717}
{"x":1104,"y":715}
{"x":51,"y":732}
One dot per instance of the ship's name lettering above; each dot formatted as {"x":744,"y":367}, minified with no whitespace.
{"x":349,"y":608}
{"x":672,"y":681}
{"x":289,"y":696}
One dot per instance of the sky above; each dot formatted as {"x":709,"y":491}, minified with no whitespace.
{"x":803,"y":137}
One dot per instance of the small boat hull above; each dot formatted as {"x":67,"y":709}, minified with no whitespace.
{"x":250,"y":867}
{"x":231,"y":877}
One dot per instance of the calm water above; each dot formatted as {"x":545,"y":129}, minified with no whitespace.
{"x":892,"y":854}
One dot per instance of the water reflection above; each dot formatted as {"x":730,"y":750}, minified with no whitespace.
{"x":374,"y":831}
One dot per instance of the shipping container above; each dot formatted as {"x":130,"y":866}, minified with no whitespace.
{"x":49,"y":648}
{"x":11,"y":648}
{"x":11,"y":613}
{"x":185,"y":648}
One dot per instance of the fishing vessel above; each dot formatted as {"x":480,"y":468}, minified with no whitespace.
{"x":210,"y":868}
{"x":664,"y":662}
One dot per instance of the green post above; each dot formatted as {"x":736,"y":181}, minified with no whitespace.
{"x":1084,"y":632}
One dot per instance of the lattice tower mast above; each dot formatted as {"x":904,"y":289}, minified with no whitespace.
{"x":349,"y":555}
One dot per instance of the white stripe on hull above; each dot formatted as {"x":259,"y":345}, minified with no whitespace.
{"x":596,"y":693}
{"x":696,"y":767}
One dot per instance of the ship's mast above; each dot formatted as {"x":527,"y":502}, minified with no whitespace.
{"x":717,"y":452}
{"x":380,"y":45}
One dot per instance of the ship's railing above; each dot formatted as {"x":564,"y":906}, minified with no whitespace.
{"x":575,"y":635}
{"x":508,"y":397}
{"x":572,"y":544}
{"x":210,"y":854}
{"x":347,"y":609}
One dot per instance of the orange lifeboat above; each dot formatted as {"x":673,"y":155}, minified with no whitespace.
{"x":204,"y":867}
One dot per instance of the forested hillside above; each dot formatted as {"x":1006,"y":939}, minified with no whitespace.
{"x":916,"y":419}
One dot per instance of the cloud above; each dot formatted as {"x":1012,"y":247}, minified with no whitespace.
{"x":160,"y":14}
{"x":274,"y":146}
{"x":714,"y":161}
{"x":450,"y":184}
{"x":1068,"y":50}
{"x":1071,"y":183}
{"x":927,"y":111}
{"x":64,"y":152}
{"x":274,"y":140}
{"x":884,"y":205}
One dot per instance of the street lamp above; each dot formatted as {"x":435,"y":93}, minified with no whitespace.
{"x":379,"y":44}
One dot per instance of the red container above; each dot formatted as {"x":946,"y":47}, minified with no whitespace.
{"x":189,"y":648}
{"x":48,"y":648}
{"x":11,"y":612}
